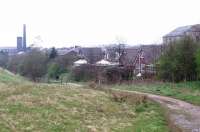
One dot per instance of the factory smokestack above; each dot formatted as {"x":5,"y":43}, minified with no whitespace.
{"x":24,"y":37}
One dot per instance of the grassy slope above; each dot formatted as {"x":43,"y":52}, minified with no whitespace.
{"x":41,"y":107}
{"x":7,"y":77}
{"x":187,"y":91}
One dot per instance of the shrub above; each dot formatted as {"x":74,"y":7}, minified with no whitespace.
{"x":54,"y":71}
{"x":3,"y":59}
{"x":117,"y":74}
{"x":34,"y":64}
{"x":178,"y":61}
{"x":112,"y":74}
{"x":197,"y":60}
{"x":53,"y":53}
{"x":66,"y":62}
{"x":84,"y":73}
{"x":131,"y":98}
{"x":92,"y":85}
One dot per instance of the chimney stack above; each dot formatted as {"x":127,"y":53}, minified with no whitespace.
{"x":24,"y":37}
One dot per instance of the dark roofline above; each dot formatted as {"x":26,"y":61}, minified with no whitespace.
{"x":181,"y":30}
{"x":8,"y":48}
{"x":172,"y":36}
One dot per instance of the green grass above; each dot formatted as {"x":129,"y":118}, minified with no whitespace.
{"x":61,"y":108}
{"x":187,"y":91}
{"x":57,"y":108}
{"x":10,"y":78}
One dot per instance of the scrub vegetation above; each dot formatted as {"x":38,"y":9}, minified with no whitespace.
{"x":187,"y":91}
{"x":27,"y":106}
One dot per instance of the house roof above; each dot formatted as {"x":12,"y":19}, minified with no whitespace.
{"x":150,"y":53}
{"x":9,"y":48}
{"x":88,"y":50}
{"x":81,"y":61}
{"x":129,"y":56}
{"x":92,"y":54}
{"x":66,"y":51}
{"x":103,"y":62}
{"x":180,"y":31}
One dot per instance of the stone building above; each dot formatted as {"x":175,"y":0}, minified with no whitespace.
{"x":192,"y":31}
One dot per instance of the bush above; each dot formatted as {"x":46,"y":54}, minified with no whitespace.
{"x":131,"y":98}
{"x":117,"y":74}
{"x":101,"y":74}
{"x":53,"y":53}
{"x":54,"y":70}
{"x":3,"y":59}
{"x":66,"y":62}
{"x":34,"y":64}
{"x":112,"y":75}
{"x":178,"y":61}
{"x":197,"y":60}
{"x":84,"y":73}
{"x":15,"y":63}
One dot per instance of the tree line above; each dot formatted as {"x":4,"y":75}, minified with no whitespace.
{"x":180,"y":61}
{"x":36,"y":64}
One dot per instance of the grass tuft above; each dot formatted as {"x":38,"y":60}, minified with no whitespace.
{"x":186,"y":91}
{"x":28,"y":106}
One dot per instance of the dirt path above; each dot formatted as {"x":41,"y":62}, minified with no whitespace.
{"x":182,"y":116}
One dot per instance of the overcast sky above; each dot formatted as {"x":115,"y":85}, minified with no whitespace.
{"x":93,"y":22}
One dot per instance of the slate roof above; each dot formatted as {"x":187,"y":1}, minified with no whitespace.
{"x":150,"y":53}
{"x":129,"y":55}
{"x":10,"y":50}
{"x":66,"y":51}
{"x":92,"y":54}
{"x":180,"y":31}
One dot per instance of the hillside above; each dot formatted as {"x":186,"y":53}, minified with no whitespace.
{"x":7,"y":77}
{"x":42,"y":107}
